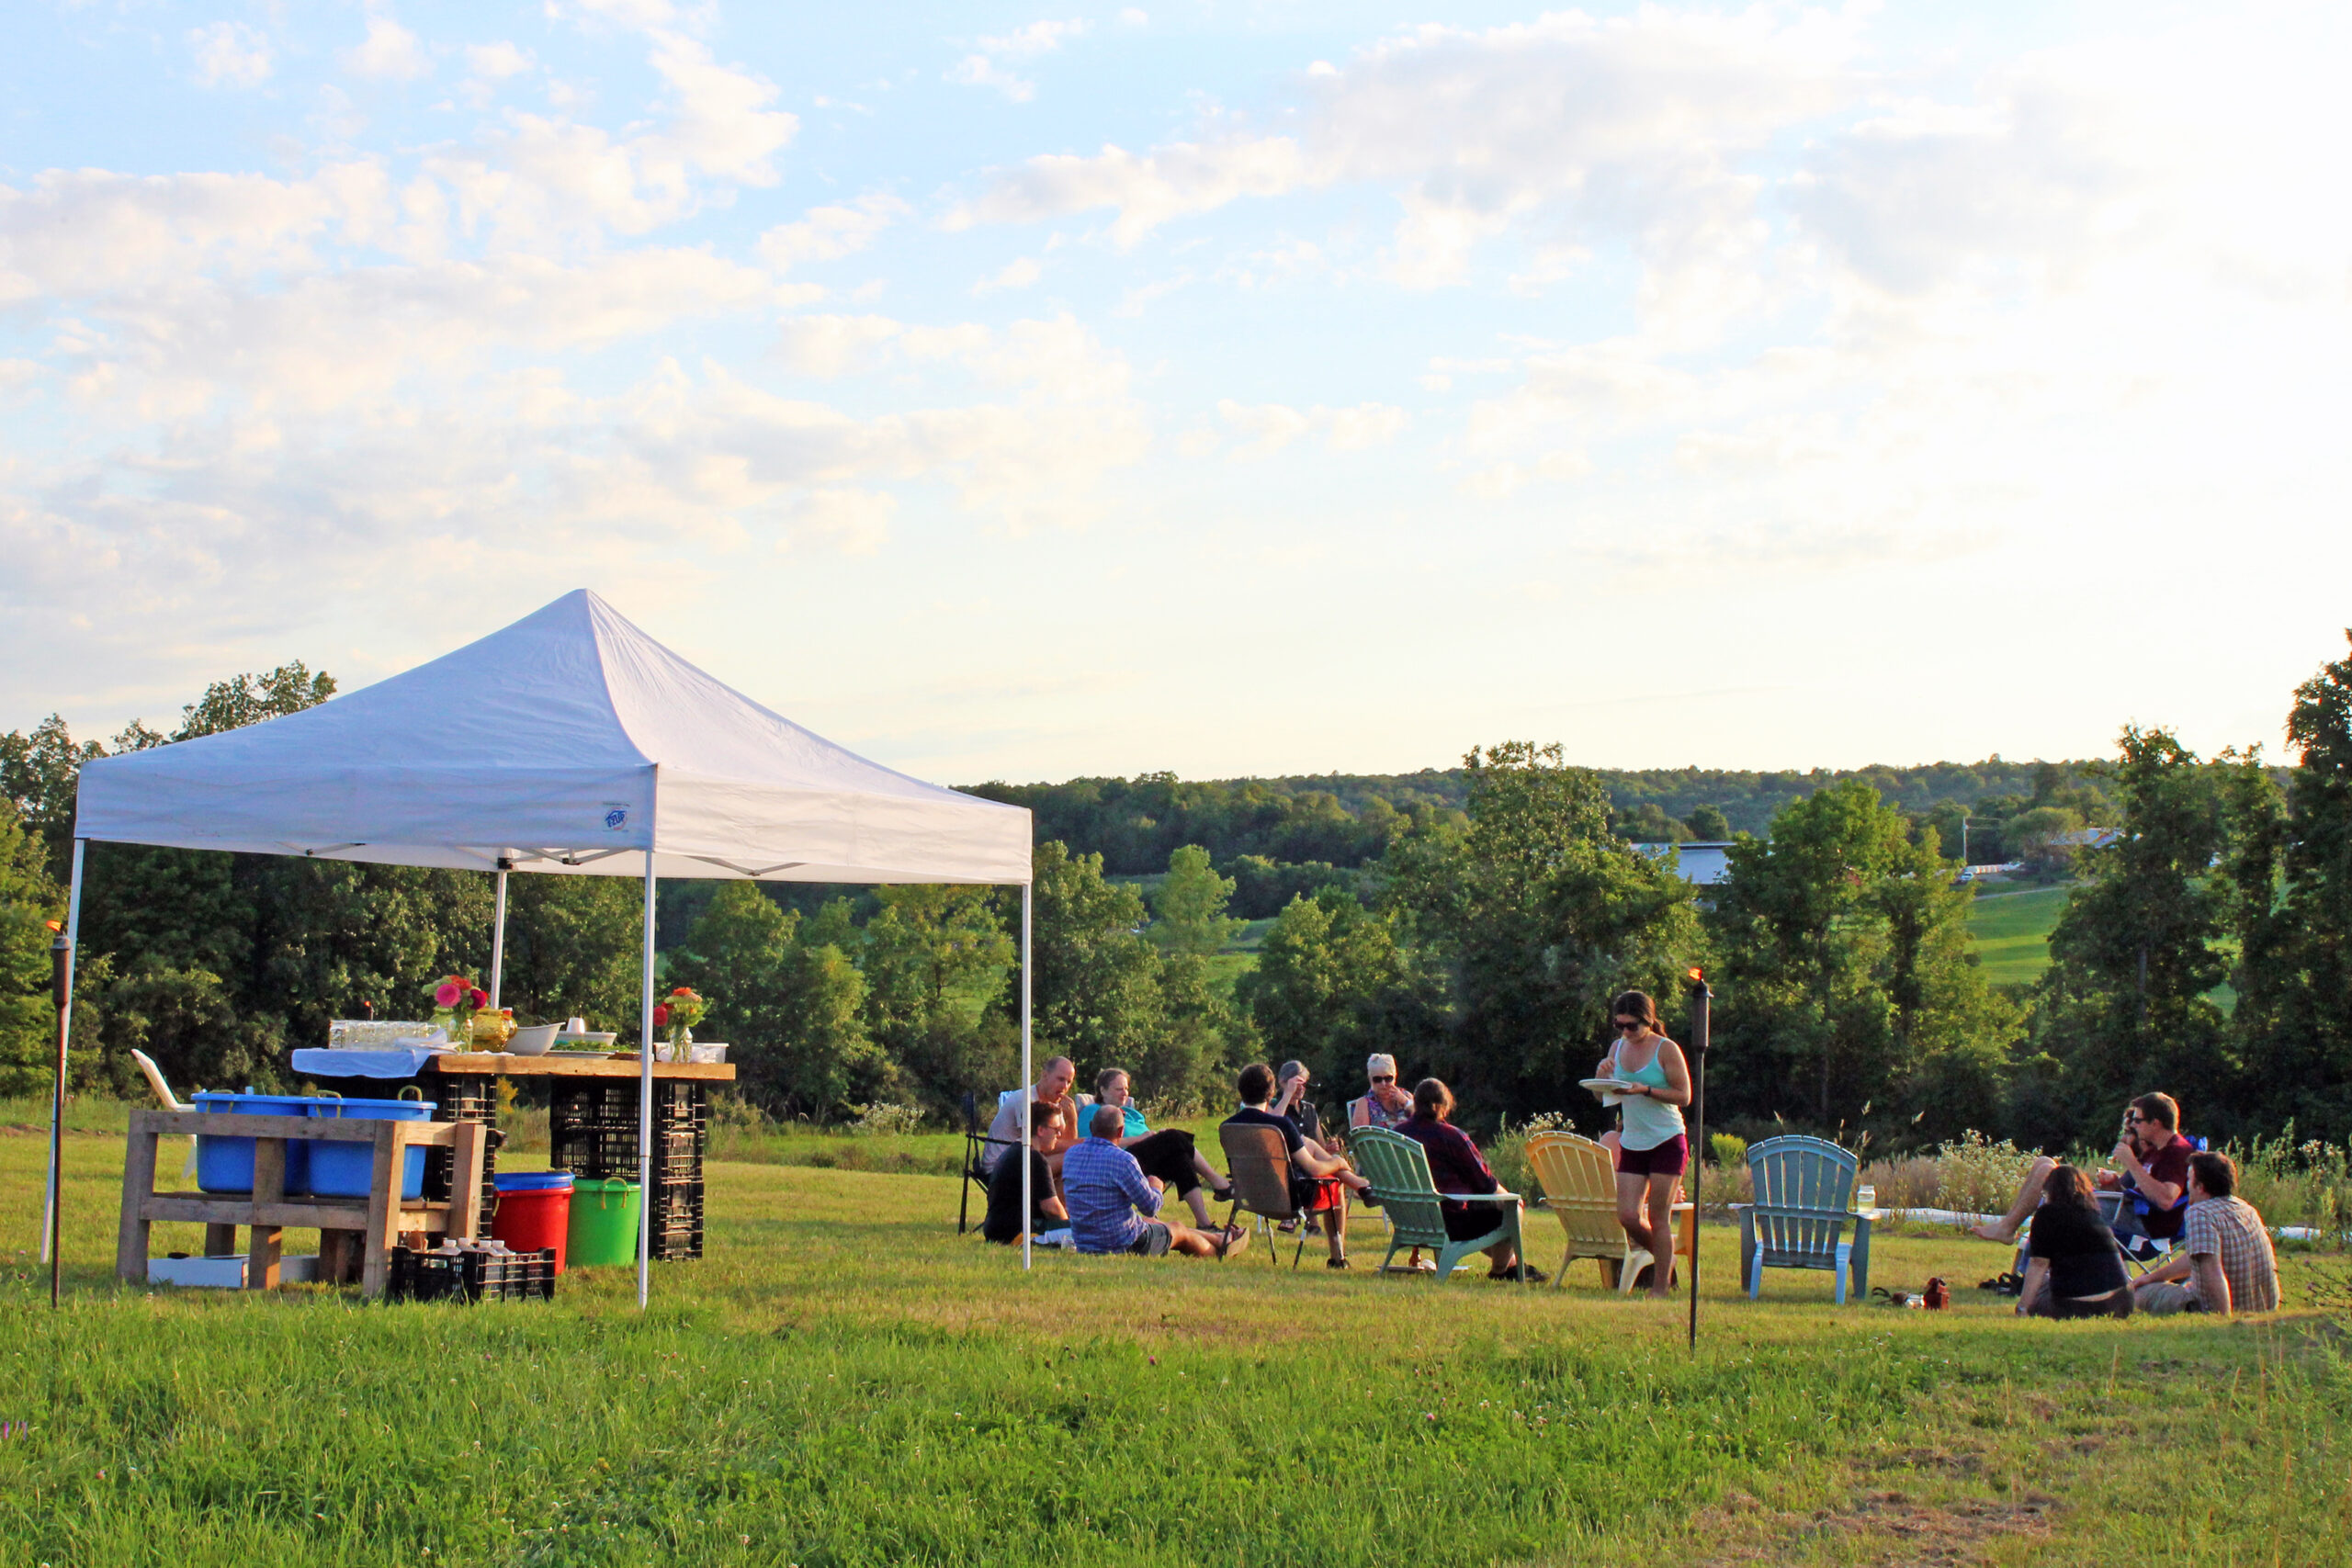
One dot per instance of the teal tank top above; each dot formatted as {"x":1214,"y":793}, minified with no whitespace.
{"x":1647,"y":1123}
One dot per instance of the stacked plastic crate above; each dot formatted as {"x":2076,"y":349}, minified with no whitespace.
{"x":591,"y":1129}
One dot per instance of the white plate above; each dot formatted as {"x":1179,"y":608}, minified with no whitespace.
{"x":584,"y":1041}
{"x":1609,"y":1086}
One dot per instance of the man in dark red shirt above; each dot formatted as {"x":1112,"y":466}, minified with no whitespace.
{"x":2154,"y":1158}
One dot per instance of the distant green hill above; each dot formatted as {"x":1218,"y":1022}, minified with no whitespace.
{"x":2012,"y":932}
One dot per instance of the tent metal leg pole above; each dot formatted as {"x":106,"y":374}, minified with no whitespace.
{"x":498,"y":940}
{"x":1028,"y":1083}
{"x":645,"y":1103}
{"x":49,"y":1225}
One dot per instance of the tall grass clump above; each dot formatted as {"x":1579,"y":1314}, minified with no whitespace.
{"x":1507,"y":1152}
{"x":2297,"y":1184}
{"x":1977,"y":1176}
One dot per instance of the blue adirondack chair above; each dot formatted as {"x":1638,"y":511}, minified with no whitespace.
{"x":1804,"y":1188}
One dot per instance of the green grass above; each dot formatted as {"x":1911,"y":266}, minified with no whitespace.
{"x":844,"y":1381}
{"x":2012,"y":932}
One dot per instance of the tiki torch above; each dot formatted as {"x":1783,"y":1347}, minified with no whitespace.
{"x":61,"y":953}
{"x":1700,"y":999}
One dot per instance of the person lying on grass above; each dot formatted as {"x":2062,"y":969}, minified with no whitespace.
{"x":1168,"y":1153}
{"x":2077,"y":1267}
{"x":1052,"y":1089}
{"x":1317,"y":1175}
{"x":2225,"y":1263}
{"x":1046,"y":1212}
{"x":1457,"y":1165}
{"x":2154,"y":1161}
{"x":1104,"y":1187}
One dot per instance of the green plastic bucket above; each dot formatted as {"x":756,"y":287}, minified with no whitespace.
{"x":603,"y":1227}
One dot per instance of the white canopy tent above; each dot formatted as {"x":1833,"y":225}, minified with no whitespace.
{"x":568,"y":743}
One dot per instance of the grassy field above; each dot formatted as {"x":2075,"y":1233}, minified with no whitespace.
{"x":2012,"y":932}
{"x":844,"y":1381}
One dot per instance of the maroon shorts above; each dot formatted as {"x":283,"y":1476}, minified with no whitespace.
{"x":1668,"y":1158}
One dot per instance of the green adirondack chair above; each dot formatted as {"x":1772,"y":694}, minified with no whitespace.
{"x":1399,"y":1173}
{"x":1804,"y":1190}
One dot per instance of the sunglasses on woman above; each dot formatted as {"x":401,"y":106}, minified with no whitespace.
{"x":1384,"y":1078}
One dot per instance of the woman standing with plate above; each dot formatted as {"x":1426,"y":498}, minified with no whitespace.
{"x":1652,"y":1085}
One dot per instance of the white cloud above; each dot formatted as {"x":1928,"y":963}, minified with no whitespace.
{"x":986,"y":68}
{"x":1023,"y":272}
{"x":230,"y":55}
{"x":496,"y":61}
{"x":828,"y":233}
{"x":828,"y":346}
{"x":390,"y":52}
{"x":1267,"y":428}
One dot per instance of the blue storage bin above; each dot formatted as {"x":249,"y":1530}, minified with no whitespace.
{"x":342,"y":1171}
{"x":532,"y":1180}
{"x":226,"y":1165}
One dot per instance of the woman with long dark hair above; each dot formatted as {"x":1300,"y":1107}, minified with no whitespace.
{"x":1653,"y":1148}
{"x":1457,"y":1165}
{"x":2075,"y":1267}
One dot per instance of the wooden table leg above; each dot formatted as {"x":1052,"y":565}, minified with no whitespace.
{"x":465,"y":1184}
{"x":269,"y":1187}
{"x":338,"y":1257}
{"x":138,"y":1186}
{"x":219,"y":1241}
{"x":383,"y":1209}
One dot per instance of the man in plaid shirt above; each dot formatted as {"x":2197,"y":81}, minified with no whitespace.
{"x":2225,"y":1263}
{"x":1104,"y":1187}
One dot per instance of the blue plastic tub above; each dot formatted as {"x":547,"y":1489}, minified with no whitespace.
{"x":533,"y":1180}
{"x":226,"y":1165}
{"x":342,"y":1171}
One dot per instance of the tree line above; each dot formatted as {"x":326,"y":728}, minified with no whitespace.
{"x":1474,"y":922}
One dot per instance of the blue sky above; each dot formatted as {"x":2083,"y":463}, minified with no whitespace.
{"x":1029,"y":391}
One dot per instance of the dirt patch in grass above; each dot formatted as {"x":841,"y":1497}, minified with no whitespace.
{"x":1876,"y":1526}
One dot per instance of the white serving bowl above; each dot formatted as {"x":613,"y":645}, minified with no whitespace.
{"x":532,"y":1040}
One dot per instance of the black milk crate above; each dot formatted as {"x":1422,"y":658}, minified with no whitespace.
{"x":592,"y":1128}
{"x":463,"y":1098}
{"x":473,"y":1276}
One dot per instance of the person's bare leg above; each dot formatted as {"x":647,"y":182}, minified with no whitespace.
{"x":1504,"y":1256}
{"x":2028,"y":1194}
{"x":1630,"y":1191}
{"x":1335,"y":1226}
{"x":1200,"y":1244}
{"x":1661,"y":1229}
{"x":1198,"y":1200}
{"x":1209,"y":1178}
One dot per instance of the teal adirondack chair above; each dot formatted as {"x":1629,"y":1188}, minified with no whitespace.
{"x":1399,"y":1173}
{"x":1805,"y":1189}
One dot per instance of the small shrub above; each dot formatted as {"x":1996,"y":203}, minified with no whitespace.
{"x":1727,"y":1149}
{"x":886,"y":1119}
{"x":1977,"y":1176}
{"x":1507,"y":1152}
{"x":2297,"y":1184}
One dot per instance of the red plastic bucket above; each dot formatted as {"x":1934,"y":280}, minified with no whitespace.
{"x":533,"y":1211}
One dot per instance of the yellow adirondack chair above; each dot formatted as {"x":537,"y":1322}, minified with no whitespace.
{"x":1579,"y":1183}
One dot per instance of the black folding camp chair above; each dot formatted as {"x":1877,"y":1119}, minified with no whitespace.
{"x":979,"y":1158}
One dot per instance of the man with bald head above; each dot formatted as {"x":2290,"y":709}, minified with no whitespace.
{"x":1052,"y":1087}
{"x":1105,"y":1187}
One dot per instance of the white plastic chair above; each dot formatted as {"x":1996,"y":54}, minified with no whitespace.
{"x":164,"y":1097}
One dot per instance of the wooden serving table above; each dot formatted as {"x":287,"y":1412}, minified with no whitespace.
{"x":593,"y":1123}
{"x":374,"y":1224}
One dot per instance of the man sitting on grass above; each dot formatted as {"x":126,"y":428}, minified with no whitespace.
{"x":1045,"y":1211}
{"x":1314,"y":1171}
{"x":2225,"y":1263}
{"x":1104,"y":1187}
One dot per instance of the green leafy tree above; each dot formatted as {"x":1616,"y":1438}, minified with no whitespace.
{"x":1188,"y":907}
{"x":1097,"y":995}
{"x":1538,"y":915}
{"x":1331,"y":985}
{"x":793,"y":1011}
{"x":1708,"y":822}
{"x":930,"y":955}
{"x":2125,"y":1007}
{"x":575,"y":944}
{"x":1949,"y":1031}
{"x":1804,"y":943}
{"x":38,"y":774}
{"x":28,"y":900}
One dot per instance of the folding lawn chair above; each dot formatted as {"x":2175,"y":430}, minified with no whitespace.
{"x":1257,"y":1162}
{"x":976,"y":1162}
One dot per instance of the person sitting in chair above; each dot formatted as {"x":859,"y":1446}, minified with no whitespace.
{"x":2154,"y":1176}
{"x":1045,"y":1211}
{"x":1457,"y":1165}
{"x":1168,"y":1155}
{"x":1105,"y":1186}
{"x":1387,"y":1103}
{"x":2225,"y":1263}
{"x":1052,"y":1089}
{"x":1316,"y":1176}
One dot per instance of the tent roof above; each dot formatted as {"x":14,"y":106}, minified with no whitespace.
{"x":559,"y":743}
